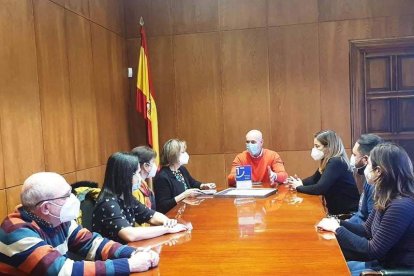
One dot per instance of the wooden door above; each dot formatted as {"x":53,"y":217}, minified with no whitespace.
{"x":382,"y":90}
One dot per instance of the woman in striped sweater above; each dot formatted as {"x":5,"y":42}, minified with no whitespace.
{"x":386,"y":240}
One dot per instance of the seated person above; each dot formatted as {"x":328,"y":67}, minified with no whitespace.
{"x":141,"y":191}
{"x":117,"y":210}
{"x":333,"y":180}
{"x":358,"y":161}
{"x":173,"y":182}
{"x":386,"y":240}
{"x":267,"y":166}
{"x":37,"y":238}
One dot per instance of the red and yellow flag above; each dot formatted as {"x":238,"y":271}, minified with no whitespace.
{"x":145,"y":95}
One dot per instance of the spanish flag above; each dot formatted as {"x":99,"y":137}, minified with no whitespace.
{"x":145,"y":95}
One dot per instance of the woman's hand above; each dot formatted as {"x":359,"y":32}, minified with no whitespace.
{"x":294,"y":181}
{"x":170,"y":223}
{"x":328,"y":224}
{"x":177,"y":228}
{"x":188,"y":193}
{"x":208,"y":186}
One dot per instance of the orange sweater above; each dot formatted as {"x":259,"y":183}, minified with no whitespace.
{"x":259,"y":166}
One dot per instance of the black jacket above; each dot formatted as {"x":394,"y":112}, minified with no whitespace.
{"x":336,"y":184}
{"x":167,"y":187}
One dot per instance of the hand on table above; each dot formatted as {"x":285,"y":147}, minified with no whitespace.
{"x":207,"y":186}
{"x":328,"y":224}
{"x":294,"y":181}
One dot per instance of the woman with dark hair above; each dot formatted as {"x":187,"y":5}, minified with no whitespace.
{"x":173,"y":182}
{"x":333,"y":179}
{"x":148,"y":168}
{"x":117,"y":210}
{"x":386,"y":240}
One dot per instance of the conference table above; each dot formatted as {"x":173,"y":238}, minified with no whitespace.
{"x":275,"y":235}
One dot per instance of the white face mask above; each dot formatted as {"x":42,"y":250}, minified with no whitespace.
{"x":368,"y":174}
{"x":68,"y":211}
{"x":352,"y":161}
{"x":136,"y":181}
{"x":317,"y":154}
{"x":184,"y":158}
{"x":153,"y":170}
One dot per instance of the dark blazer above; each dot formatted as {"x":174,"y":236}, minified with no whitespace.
{"x":336,"y":184}
{"x":167,"y":187}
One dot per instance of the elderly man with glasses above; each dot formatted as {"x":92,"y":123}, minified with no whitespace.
{"x":39,"y":236}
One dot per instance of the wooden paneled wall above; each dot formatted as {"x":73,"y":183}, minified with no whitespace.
{"x":222,"y":67}
{"x":64,"y":90}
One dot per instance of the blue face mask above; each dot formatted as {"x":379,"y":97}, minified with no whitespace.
{"x":253,"y":149}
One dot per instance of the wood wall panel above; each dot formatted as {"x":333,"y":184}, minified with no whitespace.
{"x":120,"y":93}
{"x":107,"y":99}
{"x":2,"y":181}
{"x":400,"y":26}
{"x":80,"y":7}
{"x":216,"y":169}
{"x":70,"y":177}
{"x":282,"y":12}
{"x":294,"y":86}
{"x":59,"y":2}
{"x":13,"y":197}
{"x":299,"y":162}
{"x":3,"y":206}
{"x":333,"y":10}
{"x":87,"y":148}
{"x":156,"y":15}
{"x":109,"y":14}
{"x":54,"y":87}
{"x":199,"y":102}
{"x":95,"y":174}
{"x":245,"y":86}
{"x":162,"y":70}
{"x":240,"y":14}
{"x":190,"y":16}
{"x":19,"y":97}
{"x":136,"y":123}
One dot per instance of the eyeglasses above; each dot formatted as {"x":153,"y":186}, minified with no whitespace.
{"x":50,"y":199}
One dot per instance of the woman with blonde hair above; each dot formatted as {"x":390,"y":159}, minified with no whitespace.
{"x":386,"y":240}
{"x":333,"y":179}
{"x":173,"y":182}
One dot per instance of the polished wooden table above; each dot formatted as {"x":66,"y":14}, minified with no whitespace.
{"x":271,"y":236}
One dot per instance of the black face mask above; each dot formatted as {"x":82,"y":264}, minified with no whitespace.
{"x":360,"y":170}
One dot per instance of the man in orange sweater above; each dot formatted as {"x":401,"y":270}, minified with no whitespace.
{"x":267,"y":166}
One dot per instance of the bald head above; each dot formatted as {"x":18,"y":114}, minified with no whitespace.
{"x":41,"y":186}
{"x":254,"y":134}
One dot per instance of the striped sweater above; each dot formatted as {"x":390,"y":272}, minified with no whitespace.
{"x":28,"y":246}
{"x":387,"y":236}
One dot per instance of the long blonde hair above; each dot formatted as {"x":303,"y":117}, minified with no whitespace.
{"x":333,"y":145}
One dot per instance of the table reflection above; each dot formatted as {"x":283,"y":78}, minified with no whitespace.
{"x":250,"y":215}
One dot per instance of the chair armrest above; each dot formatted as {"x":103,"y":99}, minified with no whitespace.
{"x":370,"y":273}
{"x":398,"y":272}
